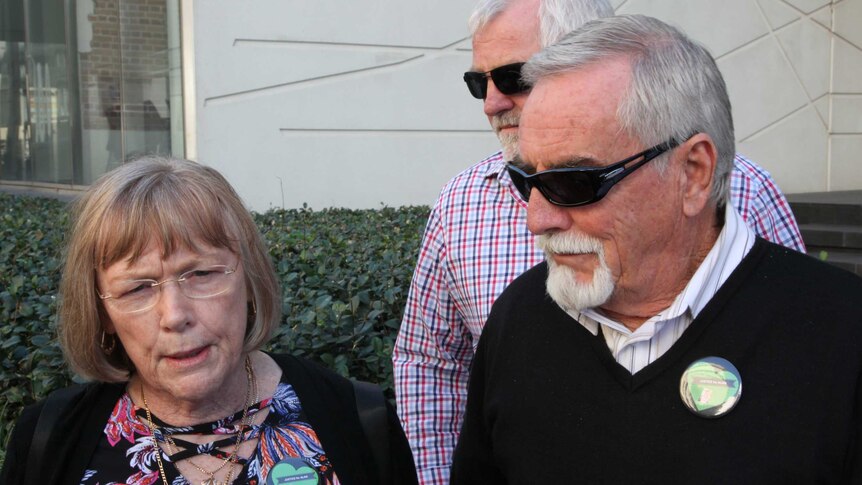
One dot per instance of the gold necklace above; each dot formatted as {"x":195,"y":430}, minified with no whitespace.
{"x":252,"y":387}
{"x":243,"y":424}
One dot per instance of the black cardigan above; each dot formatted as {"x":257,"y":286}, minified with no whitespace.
{"x":327,"y":400}
{"x":547,"y":402}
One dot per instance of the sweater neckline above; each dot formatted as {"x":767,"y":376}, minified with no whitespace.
{"x":632,"y":382}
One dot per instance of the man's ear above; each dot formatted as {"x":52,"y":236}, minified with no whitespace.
{"x":699,"y":164}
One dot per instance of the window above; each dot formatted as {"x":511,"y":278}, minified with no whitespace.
{"x":85,"y":85}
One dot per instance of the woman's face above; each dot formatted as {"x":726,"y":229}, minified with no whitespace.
{"x":182,"y":348}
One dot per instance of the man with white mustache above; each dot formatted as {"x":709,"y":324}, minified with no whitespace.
{"x":476,"y":240}
{"x":563,"y":284}
{"x":663,"y":341}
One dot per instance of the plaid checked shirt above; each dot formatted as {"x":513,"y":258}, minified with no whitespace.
{"x":476,"y":242}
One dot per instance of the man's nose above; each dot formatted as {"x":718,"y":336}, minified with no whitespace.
{"x":544,"y":217}
{"x":495,"y":101}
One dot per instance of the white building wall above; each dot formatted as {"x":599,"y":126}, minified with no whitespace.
{"x":360,"y":103}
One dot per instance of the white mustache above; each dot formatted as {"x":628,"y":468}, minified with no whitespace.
{"x":569,"y":243}
{"x":509,"y":118}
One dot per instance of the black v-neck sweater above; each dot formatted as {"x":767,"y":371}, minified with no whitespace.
{"x":547,"y":403}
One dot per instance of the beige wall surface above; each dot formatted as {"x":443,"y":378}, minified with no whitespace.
{"x":361,"y":104}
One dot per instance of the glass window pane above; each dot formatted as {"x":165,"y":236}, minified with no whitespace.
{"x":146,"y":73}
{"x":13,"y":102}
{"x":99,"y":63}
{"x":85,"y":85}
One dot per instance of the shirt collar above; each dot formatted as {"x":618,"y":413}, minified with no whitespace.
{"x":495,"y":172}
{"x":496,"y":167}
{"x":734,"y":242}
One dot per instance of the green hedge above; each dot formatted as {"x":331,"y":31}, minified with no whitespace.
{"x":344,"y":274}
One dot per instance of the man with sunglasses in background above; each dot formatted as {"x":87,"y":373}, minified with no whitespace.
{"x":662,"y":341}
{"x":476,"y":241}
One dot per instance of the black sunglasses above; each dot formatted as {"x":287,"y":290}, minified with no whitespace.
{"x":571,"y":187}
{"x":506,"y":78}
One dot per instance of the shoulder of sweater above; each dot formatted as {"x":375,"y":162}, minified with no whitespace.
{"x":312,"y":380}
{"x":78,"y":395}
{"x":525,"y":295}
{"x":291,"y":364}
{"x":773,"y":280}
{"x":529,"y":286}
{"x":808,"y":272}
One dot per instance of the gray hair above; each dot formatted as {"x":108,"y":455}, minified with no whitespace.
{"x":676,"y":88}
{"x":556,"y":17}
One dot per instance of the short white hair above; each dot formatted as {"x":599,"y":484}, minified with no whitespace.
{"x":556,"y":17}
{"x":676,"y":88}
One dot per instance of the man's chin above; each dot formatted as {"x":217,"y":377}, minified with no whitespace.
{"x":509,"y":143}
{"x":572,"y":291}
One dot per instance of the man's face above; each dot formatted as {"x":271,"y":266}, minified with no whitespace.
{"x":612,"y":250}
{"x":512,"y":36}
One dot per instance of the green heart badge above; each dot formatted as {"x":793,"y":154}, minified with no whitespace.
{"x":292,"y":471}
{"x":710,"y":387}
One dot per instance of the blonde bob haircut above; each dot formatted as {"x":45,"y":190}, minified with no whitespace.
{"x":173,"y":204}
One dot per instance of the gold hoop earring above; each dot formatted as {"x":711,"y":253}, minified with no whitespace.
{"x":109,"y":347}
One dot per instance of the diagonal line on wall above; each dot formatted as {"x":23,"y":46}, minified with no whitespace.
{"x":258,"y":91}
{"x":238,"y":95}
{"x":845,"y":39}
{"x":350,"y":45}
{"x":800,"y":11}
{"x":828,"y":113}
{"x":770,"y":125}
{"x":773,"y":34}
{"x":379,"y":131}
{"x":745,"y":45}
{"x":804,"y":15}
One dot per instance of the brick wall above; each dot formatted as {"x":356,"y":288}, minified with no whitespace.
{"x":127,"y":60}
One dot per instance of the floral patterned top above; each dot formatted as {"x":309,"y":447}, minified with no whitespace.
{"x":126,"y":453}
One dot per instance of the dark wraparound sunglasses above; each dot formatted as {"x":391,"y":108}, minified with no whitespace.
{"x":506,"y":78}
{"x":571,"y":187}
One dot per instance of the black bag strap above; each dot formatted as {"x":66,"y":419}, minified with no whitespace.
{"x":54,"y":406}
{"x":374,"y":417}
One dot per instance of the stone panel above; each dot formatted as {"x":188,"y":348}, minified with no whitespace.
{"x":847,"y":114}
{"x":846,"y":173}
{"x":762,"y":86}
{"x":794,"y":151}
{"x":847,"y":68}
{"x":848,"y":21}
{"x":807,"y":45}
{"x":732,"y":25}
{"x":778,"y":13}
{"x":808,"y":6}
{"x":822,"y":105}
{"x":823,"y":16}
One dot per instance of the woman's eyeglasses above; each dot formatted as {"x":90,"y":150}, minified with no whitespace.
{"x":140,"y":295}
{"x":506,"y":78}
{"x":571,"y":187}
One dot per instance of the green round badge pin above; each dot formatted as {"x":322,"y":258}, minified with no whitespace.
{"x":292,"y":471}
{"x":710,"y":387}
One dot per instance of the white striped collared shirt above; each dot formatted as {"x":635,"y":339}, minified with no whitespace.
{"x":636,"y":349}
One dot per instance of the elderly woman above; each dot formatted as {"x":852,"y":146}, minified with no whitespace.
{"x":168,"y":294}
